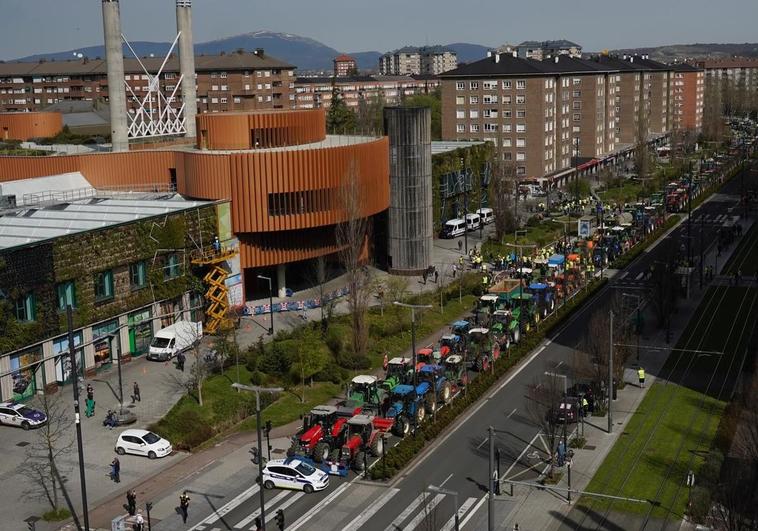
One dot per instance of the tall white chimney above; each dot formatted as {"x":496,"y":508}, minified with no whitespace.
{"x":187,"y":64}
{"x":114,"y":59}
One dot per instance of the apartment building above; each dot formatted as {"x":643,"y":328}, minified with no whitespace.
{"x":688,"y":97}
{"x":316,"y":92}
{"x":733,"y":81}
{"x":236,"y":81}
{"x":412,"y":60}
{"x":540,"y":50}
{"x":344,"y":65}
{"x":546,"y":116}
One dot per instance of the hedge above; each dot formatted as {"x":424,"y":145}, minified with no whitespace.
{"x":398,"y":457}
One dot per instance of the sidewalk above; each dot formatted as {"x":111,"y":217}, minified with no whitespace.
{"x":543,"y":509}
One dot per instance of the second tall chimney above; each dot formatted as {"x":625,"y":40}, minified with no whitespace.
{"x":187,"y":64}
{"x":114,"y":59}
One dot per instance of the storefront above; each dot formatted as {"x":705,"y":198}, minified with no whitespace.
{"x":106,"y":342}
{"x":24,"y":367}
{"x":63,"y":359}
{"x":140,"y":332}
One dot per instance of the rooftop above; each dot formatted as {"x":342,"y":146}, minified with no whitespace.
{"x":440,"y":146}
{"x":61,"y":205}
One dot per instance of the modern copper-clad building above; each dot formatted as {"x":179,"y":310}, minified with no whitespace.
{"x":280,"y":170}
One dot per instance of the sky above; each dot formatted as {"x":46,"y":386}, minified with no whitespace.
{"x":35,"y":26}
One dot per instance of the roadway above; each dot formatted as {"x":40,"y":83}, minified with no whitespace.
{"x":458,"y":461}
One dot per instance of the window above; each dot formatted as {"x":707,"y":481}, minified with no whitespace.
{"x":507,"y":155}
{"x":577,"y":81}
{"x":507,"y":114}
{"x":473,"y":114}
{"x":222,"y":75}
{"x":104,"y":285}
{"x":577,"y":94}
{"x":224,"y":87}
{"x":460,"y":114}
{"x":173,"y":268}
{"x":576,"y":105}
{"x":506,"y":100}
{"x":489,"y":99}
{"x":237,"y":100}
{"x":460,"y":128}
{"x":521,"y":142}
{"x":577,"y":117}
{"x":506,"y":85}
{"x":474,"y":128}
{"x":223,"y":100}
{"x":490,"y":128}
{"x":489,"y":85}
{"x":520,"y":85}
{"x":214,"y":87}
{"x":214,"y":100}
{"x":460,"y":100}
{"x":520,"y":128}
{"x":26,"y":307}
{"x":520,"y":156}
{"x":473,"y":100}
{"x":460,"y":85}
{"x":506,"y":142}
{"x":66,"y":295}
{"x":137,"y":275}
{"x":521,"y":170}
{"x":506,"y":128}
{"x":520,"y":99}
{"x":474,"y":85}
{"x":521,"y":114}
{"x":490,"y":113}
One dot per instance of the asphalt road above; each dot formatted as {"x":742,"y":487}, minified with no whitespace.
{"x":459,"y":460}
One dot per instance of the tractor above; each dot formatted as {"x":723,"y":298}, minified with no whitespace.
{"x":543,"y":296}
{"x":525,"y":310}
{"x":363,"y":391}
{"x":486,"y":306}
{"x":405,"y":406}
{"x":363,"y":433}
{"x":439,"y":388}
{"x":505,"y":328}
{"x":450,"y":344}
{"x":427,"y":355}
{"x":399,"y":371}
{"x":323,"y":430}
{"x":483,"y":348}
{"x":455,"y":372}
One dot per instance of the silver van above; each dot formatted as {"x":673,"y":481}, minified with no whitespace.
{"x":453,"y":228}
{"x":487,"y":215}
{"x":473,"y":221}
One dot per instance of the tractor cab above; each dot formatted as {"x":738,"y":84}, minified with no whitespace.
{"x":450,"y":344}
{"x":322,"y":429}
{"x":482,"y":348}
{"x":455,"y":370}
{"x":526,"y":310}
{"x":543,"y":296}
{"x":460,"y":328}
{"x":488,"y":303}
{"x":404,"y":407}
{"x":399,"y":371}
{"x":439,"y":388}
{"x":364,"y":390}
{"x":426,"y":356}
{"x":362,"y":437}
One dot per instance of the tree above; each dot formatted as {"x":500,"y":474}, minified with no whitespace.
{"x":370,"y":118}
{"x":200,"y":369}
{"x":339,"y":119}
{"x":352,"y":239}
{"x":51,"y":443}
{"x":713,"y":122}
{"x":319,"y":273}
{"x":543,"y":397}
{"x":433,"y":101}
{"x":501,"y":197}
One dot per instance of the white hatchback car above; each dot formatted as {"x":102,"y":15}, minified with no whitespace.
{"x":142,"y":442}
{"x":292,"y":473}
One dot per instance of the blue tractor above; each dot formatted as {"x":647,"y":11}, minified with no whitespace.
{"x":543,"y":294}
{"x":437,"y":389}
{"x":405,"y":407}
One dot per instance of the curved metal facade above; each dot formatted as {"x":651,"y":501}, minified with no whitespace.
{"x":25,"y":125}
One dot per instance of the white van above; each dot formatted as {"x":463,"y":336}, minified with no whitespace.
{"x":172,"y":340}
{"x":487,"y":215}
{"x":453,"y":228}
{"x":473,"y":221}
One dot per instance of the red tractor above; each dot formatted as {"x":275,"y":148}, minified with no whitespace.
{"x":363,"y":434}
{"x":323,"y":430}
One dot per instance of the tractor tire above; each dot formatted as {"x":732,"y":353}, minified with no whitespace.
{"x":402,"y":427}
{"x":321,"y":452}
{"x":377,"y":447}
{"x":420,"y":414}
{"x":358,"y":464}
{"x":334,"y":455}
{"x":552,"y":304}
{"x":431,"y":404}
{"x":446,"y":394}
{"x":293,"y":449}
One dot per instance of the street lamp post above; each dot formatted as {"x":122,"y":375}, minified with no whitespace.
{"x":258,"y":390}
{"x":446,"y":492}
{"x":638,"y":322}
{"x":270,"y":303}
{"x":413,"y":308}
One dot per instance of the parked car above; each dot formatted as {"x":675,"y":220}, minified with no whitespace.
{"x":566,"y":411}
{"x":14,"y":414}
{"x":142,"y":442}
{"x":292,"y":473}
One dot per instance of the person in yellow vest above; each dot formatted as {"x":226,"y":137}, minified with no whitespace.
{"x":641,"y":375}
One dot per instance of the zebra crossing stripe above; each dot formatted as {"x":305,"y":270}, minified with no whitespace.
{"x":474,"y":510}
{"x":319,"y":507}
{"x":233,"y":504}
{"x":426,"y":511}
{"x":269,"y":504}
{"x":461,"y":511}
{"x":407,"y":512}
{"x":362,"y":518}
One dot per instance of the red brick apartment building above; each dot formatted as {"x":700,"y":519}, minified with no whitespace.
{"x":541,"y":114}
{"x":239,"y":81}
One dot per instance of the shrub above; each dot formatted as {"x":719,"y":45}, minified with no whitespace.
{"x":700,"y":504}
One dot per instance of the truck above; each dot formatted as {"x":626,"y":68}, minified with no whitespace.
{"x":176,"y":338}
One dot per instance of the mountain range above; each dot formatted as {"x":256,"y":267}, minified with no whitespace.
{"x":680,"y":52}
{"x":303,"y":52}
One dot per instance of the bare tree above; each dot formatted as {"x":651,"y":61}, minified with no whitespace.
{"x":319,"y":275}
{"x":544,"y":396}
{"x":713,"y":122}
{"x":502,"y":187}
{"x":353,"y":241}
{"x":201,"y":368}
{"x":51,"y":443}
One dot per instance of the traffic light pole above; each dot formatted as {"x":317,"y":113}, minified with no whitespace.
{"x":77,"y":418}
{"x":493,"y":480}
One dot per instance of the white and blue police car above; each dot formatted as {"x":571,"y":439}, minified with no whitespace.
{"x":293,"y":473}
{"x":14,"y":414}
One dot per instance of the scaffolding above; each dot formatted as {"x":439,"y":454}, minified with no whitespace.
{"x":217,"y":294}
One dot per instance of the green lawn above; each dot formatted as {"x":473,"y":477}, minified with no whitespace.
{"x":539,"y":234}
{"x":289,"y":407}
{"x":675,"y":426}
{"x":627,"y":193}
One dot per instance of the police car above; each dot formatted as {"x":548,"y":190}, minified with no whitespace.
{"x":293,"y":473}
{"x":20,"y":415}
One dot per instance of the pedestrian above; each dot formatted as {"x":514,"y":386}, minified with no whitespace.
{"x":139,"y":522}
{"x":585,"y":405}
{"x":135,"y":393}
{"x":460,"y":245}
{"x":90,"y":392}
{"x":131,"y":502}
{"x":116,"y":470}
{"x":184,"y":500}
{"x":641,"y":376}
{"x":436,"y":276}
{"x":180,"y":361}
{"x":561,"y":453}
{"x":423,"y":276}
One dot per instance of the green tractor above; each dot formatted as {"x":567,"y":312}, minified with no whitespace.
{"x":363,"y":391}
{"x":482,"y":348}
{"x":399,"y":371}
{"x":505,"y":328}
{"x":525,"y":311}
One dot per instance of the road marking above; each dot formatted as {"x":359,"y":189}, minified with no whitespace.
{"x":292,"y":500}
{"x":483,"y":443}
{"x":640,"y":275}
{"x":518,"y":459}
{"x":233,"y":504}
{"x":362,"y":518}
{"x":559,"y":364}
{"x":310,"y":514}
{"x":446,"y":480}
{"x":407,"y":512}
{"x":461,"y":511}
{"x":622,"y":275}
{"x":511,"y":413}
{"x":256,"y":513}
{"x":473,"y":511}
{"x":426,"y":511}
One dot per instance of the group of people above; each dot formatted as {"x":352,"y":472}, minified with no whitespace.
{"x":138,"y":521}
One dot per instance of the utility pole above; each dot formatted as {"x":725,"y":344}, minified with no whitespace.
{"x":702,"y":250}
{"x":610,"y":373}
{"x":77,"y":418}
{"x":493,"y":479}
{"x":465,"y":206}
{"x":689,"y":216}
{"x":258,"y":390}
